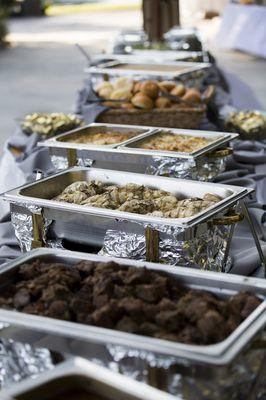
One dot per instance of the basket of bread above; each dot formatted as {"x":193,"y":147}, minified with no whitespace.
{"x":151,"y":102}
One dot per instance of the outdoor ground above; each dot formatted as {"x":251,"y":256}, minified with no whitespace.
{"x":42,"y":69}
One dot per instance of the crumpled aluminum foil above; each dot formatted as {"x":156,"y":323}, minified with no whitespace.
{"x":61,"y":163}
{"x":203,"y":169}
{"x":234,"y":381}
{"x":23,"y":226}
{"x":206,"y":251}
{"x":19,"y":361}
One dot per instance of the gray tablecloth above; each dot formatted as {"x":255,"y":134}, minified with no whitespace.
{"x":247,"y":167}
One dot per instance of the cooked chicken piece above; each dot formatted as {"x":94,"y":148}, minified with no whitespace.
{"x":212,"y":197}
{"x":126,"y":193}
{"x":80,"y":186}
{"x":137,"y":206}
{"x":150,"y":194}
{"x":76,"y":197}
{"x":165,"y":203}
{"x":100,"y":200}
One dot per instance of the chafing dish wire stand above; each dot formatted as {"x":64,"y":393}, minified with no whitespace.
{"x":32,"y":214}
{"x":202,"y":164}
{"x":227,"y":370}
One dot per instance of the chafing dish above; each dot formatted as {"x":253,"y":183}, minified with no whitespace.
{"x":171,"y":70}
{"x":220,"y":371}
{"x":33,"y":209}
{"x":79,"y":377}
{"x":152,"y":56}
{"x":203,"y":164}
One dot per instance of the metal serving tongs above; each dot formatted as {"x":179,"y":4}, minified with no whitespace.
{"x":84,"y":53}
{"x":206,"y":97}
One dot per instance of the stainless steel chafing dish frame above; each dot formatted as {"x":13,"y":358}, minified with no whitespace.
{"x":112,"y":68}
{"x":23,"y":195}
{"x":188,"y":228}
{"x":121,"y":155}
{"x":74,"y":338}
{"x":97,"y":379}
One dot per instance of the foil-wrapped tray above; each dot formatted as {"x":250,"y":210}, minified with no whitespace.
{"x":171,"y":70}
{"x":42,"y":193}
{"x":203,"y":164}
{"x":76,"y":376}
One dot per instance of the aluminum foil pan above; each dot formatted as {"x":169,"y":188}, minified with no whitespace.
{"x":206,"y":251}
{"x":20,"y":361}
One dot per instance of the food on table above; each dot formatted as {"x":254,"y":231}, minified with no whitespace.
{"x":49,"y":124}
{"x":126,"y":298}
{"x":135,"y":199}
{"x":146,"y":94}
{"x":250,"y":124}
{"x":103,"y":138}
{"x":168,"y":141}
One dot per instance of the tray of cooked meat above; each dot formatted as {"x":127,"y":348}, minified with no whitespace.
{"x":85,"y":203}
{"x":178,"y":153}
{"x":206,"y":328}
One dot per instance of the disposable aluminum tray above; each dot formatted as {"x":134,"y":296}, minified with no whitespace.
{"x":172,"y":70}
{"x":90,"y":341}
{"x":78,"y":374}
{"x":128,"y":157}
{"x":91,"y":129}
{"x":41,"y":193}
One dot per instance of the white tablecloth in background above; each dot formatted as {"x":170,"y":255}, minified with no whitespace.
{"x":244,"y":28}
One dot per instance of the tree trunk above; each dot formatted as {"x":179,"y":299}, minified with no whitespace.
{"x":32,"y":7}
{"x":160,"y":16}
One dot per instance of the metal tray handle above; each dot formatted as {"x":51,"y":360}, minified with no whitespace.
{"x":221,"y":153}
{"x":227,"y":220}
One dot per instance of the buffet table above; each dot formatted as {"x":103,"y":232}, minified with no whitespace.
{"x":245,"y":168}
{"x":243,"y":28}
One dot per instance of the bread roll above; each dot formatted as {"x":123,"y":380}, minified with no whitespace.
{"x":192,"y":95}
{"x":162,"y":102}
{"x":124,"y":83}
{"x":121,"y":94}
{"x":167,"y":85}
{"x":103,"y":85}
{"x":137,"y":87}
{"x":150,"y":88}
{"x":127,"y":106}
{"x":141,"y":100}
{"x":178,"y":90}
{"x":106,"y":92}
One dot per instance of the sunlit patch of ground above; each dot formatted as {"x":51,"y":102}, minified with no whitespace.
{"x":96,"y":7}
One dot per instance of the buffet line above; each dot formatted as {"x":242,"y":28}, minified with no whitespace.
{"x":149,"y":294}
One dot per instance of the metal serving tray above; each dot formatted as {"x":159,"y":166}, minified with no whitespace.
{"x":79,"y":374}
{"x":217,"y":139}
{"x":42,"y":192}
{"x":65,"y":138}
{"x":150,"y":56}
{"x":90,"y":341}
{"x":171,"y":70}
{"x":128,"y":151}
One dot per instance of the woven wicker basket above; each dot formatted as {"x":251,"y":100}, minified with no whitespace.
{"x":185,"y":117}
